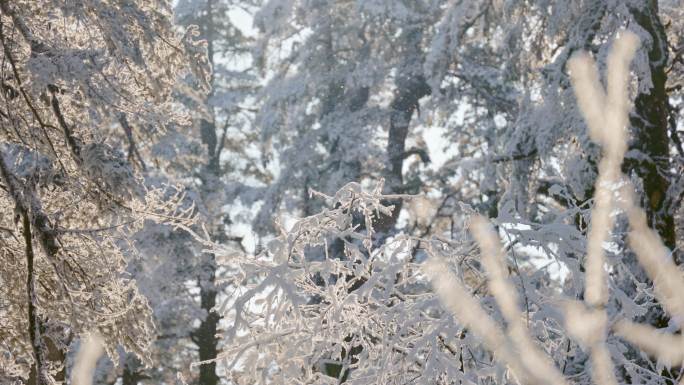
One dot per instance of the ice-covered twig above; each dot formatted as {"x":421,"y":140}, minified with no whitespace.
{"x":462,"y":305}
{"x":607,"y":117}
{"x":534,"y":360}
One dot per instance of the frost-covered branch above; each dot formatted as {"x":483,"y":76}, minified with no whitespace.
{"x":606,"y":114}
{"x":69,"y":73}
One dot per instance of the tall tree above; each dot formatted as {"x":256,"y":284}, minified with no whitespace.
{"x":213,"y":160}
{"x":651,"y":123}
{"x":80,"y":84}
{"x":496,"y":74}
{"x":323,"y":104}
{"x":224,"y":130}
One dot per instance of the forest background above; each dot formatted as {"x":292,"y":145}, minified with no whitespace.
{"x":246,"y":191}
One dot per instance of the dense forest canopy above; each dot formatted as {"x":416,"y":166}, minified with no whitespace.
{"x":336,"y":191}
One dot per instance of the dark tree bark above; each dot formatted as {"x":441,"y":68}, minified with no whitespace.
{"x":205,"y":335}
{"x":649,"y":122}
{"x":411,"y":86}
{"x":36,"y":375}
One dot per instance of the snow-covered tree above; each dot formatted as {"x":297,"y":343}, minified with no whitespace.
{"x":345,"y":79}
{"x":214,"y":159}
{"x":341,"y":297}
{"x":371,"y":313}
{"x":227,"y":164}
{"x":524,"y":129}
{"x":391,"y":129}
{"x":86,"y":87}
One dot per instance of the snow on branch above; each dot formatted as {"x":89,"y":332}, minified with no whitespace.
{"x":330,"y":301}
{"x":606,"y":113}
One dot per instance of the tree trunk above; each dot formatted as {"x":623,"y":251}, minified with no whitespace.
{"x":38,"y":370}
{"x":44,"y":350}
{"x":650,"y":124}
{"x":411,"y":86}
{"x":205,"y":335}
